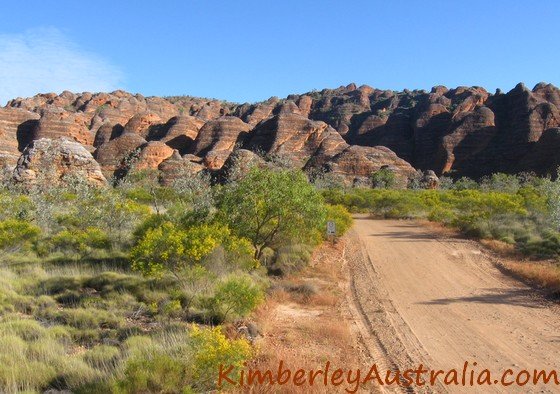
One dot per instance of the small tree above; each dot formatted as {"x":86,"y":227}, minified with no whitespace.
{"x":237,"y":295}
{"x":267,"y":205}
{"x":383,"y":178}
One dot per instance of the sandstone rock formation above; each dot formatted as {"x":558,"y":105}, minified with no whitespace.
{"x":52,"y":162}
{"x":112,"y":154}
{"x":350,"y":130}
{"x":181,"y":131}
{"x":152,"y":155}
{"x":176,"y":166}
{"x":56,"y":123}
{"x":217,"y":139}
{"x":16,"y":128}
{"x":291,"y":135}
{"x":356,"y":163}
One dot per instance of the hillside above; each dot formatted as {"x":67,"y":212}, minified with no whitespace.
{"x":349,"y":131}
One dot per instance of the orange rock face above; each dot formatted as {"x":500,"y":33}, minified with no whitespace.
{"x":16,"y":128}
{"x":142,"y":123}
{"x":153,"y":154}
{"x":217,"y":139}
{"x":291,"y":135}
{"x":57,"y":122}
{"x":181,"y":132}
{"x":349,"y":130}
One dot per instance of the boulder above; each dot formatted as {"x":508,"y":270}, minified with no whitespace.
{"x":429,"y":180}
{"x":175,"y":167}
{"x":53,"y":162}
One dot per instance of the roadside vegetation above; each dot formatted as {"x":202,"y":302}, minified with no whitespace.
{"x":518,"y":214}
{"x":139,"y":287}
{"x":144,"y":288}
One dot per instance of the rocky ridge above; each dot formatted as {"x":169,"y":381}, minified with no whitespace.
{"x":349,"y":131}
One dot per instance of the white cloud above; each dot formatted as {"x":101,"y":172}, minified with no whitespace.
{"x":45,"y":60}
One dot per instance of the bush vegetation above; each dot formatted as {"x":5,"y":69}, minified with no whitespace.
{"x":128,"y":288}
{"x":518,"y":210}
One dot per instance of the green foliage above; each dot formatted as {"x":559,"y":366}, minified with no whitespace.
{"x":17,"y":235}
{"x":267,"y":206}
{"x":210,"y":350}
{"x":170,"y":248}
{"x":80,"y":242}
{"x":102,"y":357}
{"x":465,"y":183}
{"x":500,"y":182}
{"x":154,"y":373}
{"x":290,"y":258}
{"x":383,"y":178}
{"x":237,"y":295}
{"x":341,"y":217}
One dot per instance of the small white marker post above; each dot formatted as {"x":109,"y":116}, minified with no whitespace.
{"x":331,"y":230}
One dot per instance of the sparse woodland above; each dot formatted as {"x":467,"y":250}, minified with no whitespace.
{"x":515,"y":215}
{"x":145,"y":288}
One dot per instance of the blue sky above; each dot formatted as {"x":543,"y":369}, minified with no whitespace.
{"x":251,"y":50}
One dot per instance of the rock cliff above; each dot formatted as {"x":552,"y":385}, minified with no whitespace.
{"x":349,"y":131}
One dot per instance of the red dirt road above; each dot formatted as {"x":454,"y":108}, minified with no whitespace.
{"x":416,"y":297}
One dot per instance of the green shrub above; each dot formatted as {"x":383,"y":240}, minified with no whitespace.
{"x":383,"y":178}
{"x":17,"y":235}
{"x":237,"y":295}
{"x":102,"y":357}
{"x":138,"y":344}
{"x":211,"y":349}
{"x":26,"y":329}
{"x":154,"y":373}
{"x":88,"y":318}
{"x":341,"y":217}
{"x":80,"y":242}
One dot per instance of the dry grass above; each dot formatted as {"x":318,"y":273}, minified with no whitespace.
{"x":545,"y":275}
{"x":323,"y":300}
{"x":305,"y":330}
{"x":501,"y":248}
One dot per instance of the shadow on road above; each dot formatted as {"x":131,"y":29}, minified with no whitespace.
{"x":407,"y":235}
{"x":520,"y":297}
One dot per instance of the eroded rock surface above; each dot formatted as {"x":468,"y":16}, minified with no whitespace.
{"x":350,"y":130}
{"x":55,"y":161}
